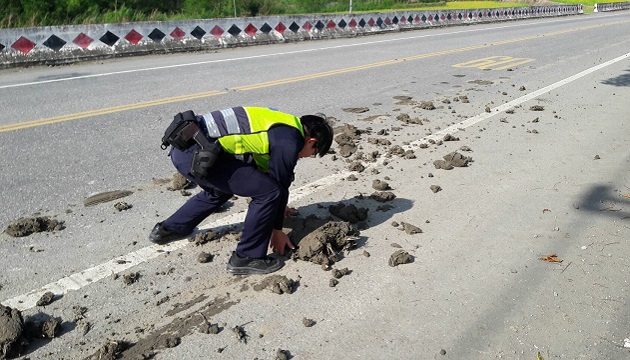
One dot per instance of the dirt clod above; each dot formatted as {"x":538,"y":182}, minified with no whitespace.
{"x":208,"y":328}
{"x":456,"y":159}
{"x":333,"y":282}
{"x":121,"y":205}
{"x":131,"y":278}
{"x":400,"y":257}
{"x":356,"y":166}
{"x":239,"y":334}
{"x":283,"y":354}
{"x":204,"y":237}
{"x":50,"y":328}
{"x":204,"y":257}
{"x":308,"y":322}
{"x":536,"y":108}
{"x":339,"y":273}
{"x":380,"y":185}
{"x":46,"y":299}
{"x":426,"y":105}
{"x":410,"y":229}
{"x":383,"y":196}
{"x":352,"y":177}
{"x":348,"y":212}
{"x":357,"y":110}
{"x":449,"y":137}
{"x":11,"y":330}
{"x":179,"y":182}
{"x":323,"y":245}
{"x":110,"y":350}
{"x":27,"y":226}
{"x":278,"y":284}
{"x":436,"y":188}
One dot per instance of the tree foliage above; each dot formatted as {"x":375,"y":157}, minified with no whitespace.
{"x":22,"y":13}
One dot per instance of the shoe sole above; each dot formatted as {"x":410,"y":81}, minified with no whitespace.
{"x":238,"y":270}
{"x":164,"y":242}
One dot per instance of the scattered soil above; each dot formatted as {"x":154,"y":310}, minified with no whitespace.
{"x":409,"y":120}
{"x":404,"y":100}
{"x":278,"y":284}
{"x":339,"y":273}
{"x":347,"y":147}
{"x":27,"y":226}
{"x":121,"y":205}
{"x":348,"y":212}
{"x":458,"y":160}
{"x":204,"y":257}
{"x":308,"y":322}
{"x":449,"y":137}
{"x":357,"y":110}
{"x":436,"y":188}
{"x":50,"y":328}
{"x":207,"y":236}
{"x":179,"y":182}
{"x":426,"y":105}
{"x":522,"y":88}
{"x":240,"y":334}
{"x":283,"y":354}
{"x":106,"y":197}
{"x":537,"y":108}
{"x":110,"y":350}
{"x":480,"y":82}
{"x":377,"y":141}
{"x":356,"y":166}
{"x":352,"y":177}
{"x":383,"y":196}
{"x":333,"y":282}
{"x":131,"y":278}
{"x":380,"y":185}
{"x":442,"y":164}
{"x":11,"y":330}
{"x":207,"y":328}
{"x":410,"y":229}
{"x":400,"y":257}
{"x":323,"y":245}
{"x":46,"y":299}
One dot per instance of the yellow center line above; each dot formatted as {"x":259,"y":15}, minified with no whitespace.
{"x":144,"y":104}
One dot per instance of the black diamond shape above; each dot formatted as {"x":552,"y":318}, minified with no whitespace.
{"x":436,"y":17}
{"x":409,"y":19}
{"x":55,"y":43}
{"x":198,"y":32}
{"x":459,"y":16}
{"x":156,"y":35}
{"x":423,"y":18}
{"x":342,"y":24}
{"x":480,"y":15}
{"x":266,"y":29}
{"x":234,"y":30}
{"x":470,"y":15}
{"x":395,"y":20}
{"x":320,"y":25}
{"x":294,"y":27}
{"x":109,"y":38}
{"x":379,"y":22}
{"x":1,"y":47}
{"x":448,"y":17}
{"x":362,"y":23}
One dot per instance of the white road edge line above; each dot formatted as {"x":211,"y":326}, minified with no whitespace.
{"x":280,"y":53}
{"x":78,"y":280}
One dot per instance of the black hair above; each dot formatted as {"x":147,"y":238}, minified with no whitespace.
{"x":317,"y":127}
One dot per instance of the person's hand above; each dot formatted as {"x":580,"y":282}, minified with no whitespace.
{"x":289,"y":211}
{"x":279,"y":241}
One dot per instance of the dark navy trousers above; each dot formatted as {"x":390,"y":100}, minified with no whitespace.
{"x":229,"y":176}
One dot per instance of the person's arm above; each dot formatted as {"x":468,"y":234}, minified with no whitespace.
{"x":285,"y":143}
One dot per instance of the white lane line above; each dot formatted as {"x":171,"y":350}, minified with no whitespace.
{"x":286,"y":53}
{"x":78,"y":280}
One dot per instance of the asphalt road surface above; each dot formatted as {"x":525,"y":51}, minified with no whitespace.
{"x":542,"y":105}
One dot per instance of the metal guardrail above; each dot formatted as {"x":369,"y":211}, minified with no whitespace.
{"x":611,"y":6}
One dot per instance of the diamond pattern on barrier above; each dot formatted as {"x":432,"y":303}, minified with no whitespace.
{"x":198,"y":33}
{"x":403,"y":19}
{"x":133,"y":37}
{"x":177,"y":33}
{"x":109,"y":38}
{"x":331,"y":25}
{"x":379,"y":22}
{"x":294,"y":27}
{"x":307,"y":26}
{"x":217,"y":32}
{"x":281,"y":28}
{"x":371,"y":22}
{"x":319,"y":25}
{"x":449,"y":17}
{"x":395,"y":20}
{"x":352,"y":24}
{"x":251,"y":30}
{"x":23,"y":45}
{"x":362,"y":23}
{"x":387,"y":21}
{"x":82,"y":41}
{"x":460,"y":16}
{"x":234,"y":30}
{"x":430,"y":18}
{"x":266,"y":29}
{"x":54,"y":42}
{"x":2,"y":47}
{"x":470,"y":15}
{"x":417,"y":19}
{"x":156,"y":35}
{"x":343,"y":24}
{"x":444,"y":17}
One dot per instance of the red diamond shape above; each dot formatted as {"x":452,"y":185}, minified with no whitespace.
{"x":417,"y":18}
{"x":442,"y":17}
{"x":430,"y":18}
{"x":23,"y":45}
{"x":281,"y":28}
{"x":250,"y":30}
{"x":388,"y":21}
{"x":307,"y":26}
{"x":133,"y":37}
{"x":331,"y":25}
{"x":371,"y":22}
{"x":83,"y":41}
{"x":177,"y":33}
{"x":403,"y":19}
{"x":352,"y":24}
{"x":217,"y":32}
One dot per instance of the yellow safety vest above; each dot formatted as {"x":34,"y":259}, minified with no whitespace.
{"x":243,"y":130}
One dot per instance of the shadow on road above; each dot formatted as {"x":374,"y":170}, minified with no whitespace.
{"x":604,"y":200}
{"x":621,"y":80}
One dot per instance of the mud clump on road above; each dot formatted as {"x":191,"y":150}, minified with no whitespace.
{"x":410,"y":229}
{"x":121,"y":206}
{"x":278,"y":284}
{"x":383,"y":196}
{"x":380,"y":185}
{"x":400,"y":257}
{"x":204,"y":237}
{"x":404,"y":117}
{"x":349,"y":213}
{"x":346,"y":138}
{"x":27,"y":226}
{"x":426,"y":105}
{"x":11,"y":331}
{"x":179,"y":182}
{"x":46,"y":299}
{"x":324,"y":245}
{"x":451,"y":160}
{"x":110,"y":350}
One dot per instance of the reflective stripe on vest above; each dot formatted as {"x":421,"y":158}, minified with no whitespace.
{"x":243,"y":130}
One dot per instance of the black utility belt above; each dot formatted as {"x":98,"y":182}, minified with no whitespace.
{"x":183,"y":133}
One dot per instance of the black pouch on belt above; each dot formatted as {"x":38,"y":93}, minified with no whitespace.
{"x":204,"y":158}
{"x":181,"y":132}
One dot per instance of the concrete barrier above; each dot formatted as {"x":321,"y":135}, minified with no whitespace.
{"x":611,"y":6}
{"x":66,"y":44}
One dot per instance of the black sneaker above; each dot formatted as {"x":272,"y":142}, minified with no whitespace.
{"x":246,"y":266}
{"x":159,"y":235}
